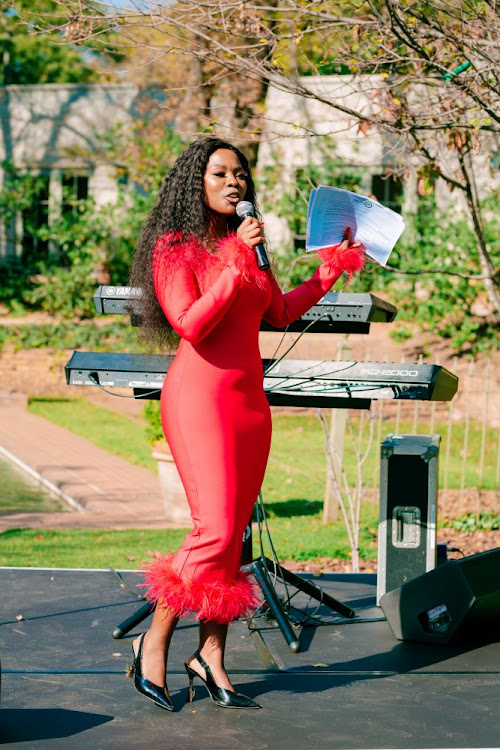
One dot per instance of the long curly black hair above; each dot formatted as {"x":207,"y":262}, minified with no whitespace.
{"x":179,"y":207}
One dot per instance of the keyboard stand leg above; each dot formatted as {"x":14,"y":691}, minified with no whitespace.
{"x":259,"y":571}
{"x":260,"y":567}
{"x":129,"y":624}
{"x":312,"y":590}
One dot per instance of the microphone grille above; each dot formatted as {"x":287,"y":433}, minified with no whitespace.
{"x":244,"y":208}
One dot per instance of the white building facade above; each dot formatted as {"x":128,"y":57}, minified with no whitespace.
{"x":295,"y":130}
{"x":55,"y":132}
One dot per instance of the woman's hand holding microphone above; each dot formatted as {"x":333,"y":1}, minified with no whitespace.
{"x":250,"y":231}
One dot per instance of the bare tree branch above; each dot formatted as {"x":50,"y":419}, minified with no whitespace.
{"x":428,"y":75}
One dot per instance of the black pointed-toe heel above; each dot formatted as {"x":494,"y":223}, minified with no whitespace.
{"x":157,"y":694}
{"x":220,"y":696}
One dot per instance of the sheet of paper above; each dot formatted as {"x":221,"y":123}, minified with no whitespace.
{"x":331,"y":211}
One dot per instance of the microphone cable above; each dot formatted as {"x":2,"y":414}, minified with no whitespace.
{"x":94,"y":379}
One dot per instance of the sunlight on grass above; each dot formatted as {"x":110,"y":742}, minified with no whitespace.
{"x":293,"y":492}
{"x":294,"y":539}
{"x":297,"y":466}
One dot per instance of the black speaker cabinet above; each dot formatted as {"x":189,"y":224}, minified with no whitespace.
{"x":408,"y":497}
{"x":458,"y":602}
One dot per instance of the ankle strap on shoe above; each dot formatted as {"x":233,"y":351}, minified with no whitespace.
{"x":201,"y":660}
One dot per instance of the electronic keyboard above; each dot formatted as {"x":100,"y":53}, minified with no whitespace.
{"x":336,"y":312}
{"x":287,"y":382}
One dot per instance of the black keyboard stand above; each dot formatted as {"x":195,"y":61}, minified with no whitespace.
{"x":259,"y":567}
{"x":265,"y":570}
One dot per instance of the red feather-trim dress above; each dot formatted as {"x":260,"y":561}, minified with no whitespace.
{"x":214,"y":411}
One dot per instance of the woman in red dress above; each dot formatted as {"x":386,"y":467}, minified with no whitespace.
{"x":196,"y":265}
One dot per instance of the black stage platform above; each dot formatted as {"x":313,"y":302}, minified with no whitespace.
{"x":352,"y":685}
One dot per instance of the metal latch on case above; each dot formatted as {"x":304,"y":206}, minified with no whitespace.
{"x":406,"y":526}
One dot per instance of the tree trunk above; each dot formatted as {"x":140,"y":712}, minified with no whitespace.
{"x":491,"y":285}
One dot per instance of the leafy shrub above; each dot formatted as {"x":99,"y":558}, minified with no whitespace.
{"x":401,"y":333}
{"x":117,"y":335}
{"x":154,"y":430}
{"x":16,"y":283}
{"x":440,"y":240}
{"x":472,"y":522}
{"x":87,"y":237}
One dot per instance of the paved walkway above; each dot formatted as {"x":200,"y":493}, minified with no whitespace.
{"x":109,"y":491}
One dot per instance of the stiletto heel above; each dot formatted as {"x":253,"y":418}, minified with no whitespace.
{"x":191,"y":691}
{"x":221,"y":696}
{"x":159,"y":695}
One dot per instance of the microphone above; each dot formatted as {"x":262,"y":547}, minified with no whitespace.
{"x":244,"y":209}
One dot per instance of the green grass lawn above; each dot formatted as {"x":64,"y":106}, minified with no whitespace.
{"x":84,"y":548}
{"x":293,"y":493}
{"x":298,"y":538}
{"x":297,"y":467}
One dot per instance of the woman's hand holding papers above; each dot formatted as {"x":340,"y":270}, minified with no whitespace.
{"x":346,"y":257}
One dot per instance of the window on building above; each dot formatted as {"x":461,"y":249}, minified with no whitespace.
{"x":388,"y":191}
{"x":34,"y":220}
{"x":335,"y":174}
{"x":57,"y":194}
{"x":75,"y":188}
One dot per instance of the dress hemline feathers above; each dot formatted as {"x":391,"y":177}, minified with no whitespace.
{"x":219,"y":602}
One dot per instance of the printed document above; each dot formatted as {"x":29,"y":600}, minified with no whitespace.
{"x":331,"y":210}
